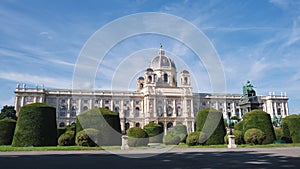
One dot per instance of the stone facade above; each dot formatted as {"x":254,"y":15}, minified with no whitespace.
{"x":158,"y":98}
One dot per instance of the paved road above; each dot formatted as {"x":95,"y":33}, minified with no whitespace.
{"x":174,"y":159}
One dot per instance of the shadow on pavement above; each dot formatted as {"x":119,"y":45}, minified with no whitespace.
{"x":190,"y":160}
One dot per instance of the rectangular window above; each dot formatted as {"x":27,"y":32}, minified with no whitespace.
{"x":85,"y":101}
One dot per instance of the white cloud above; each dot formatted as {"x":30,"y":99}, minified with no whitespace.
{"x":52,"y":82}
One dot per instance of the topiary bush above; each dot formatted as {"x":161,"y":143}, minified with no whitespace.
{"x":60,"y":131}
{"x":104,"y":120}
{"x":181,"y":131}
{"x":260,"y":120}
{"x":239,"y":137}
{"x":67,"y":139}
{"x":154,"y":131}
{"x":137,"y":137}
{"x":278,"y":133}
{"x":193,"y":138}
{"x":254,"y":136}
{"x":239,"y":126}
{"x":212,"y":120}
{"x":88,"y":137}
{"x":171,"y":138}
{"x":36,"y":126}
{"x":7,"y":129}
{"x":196,"y":138}
{"x":291,"y":128}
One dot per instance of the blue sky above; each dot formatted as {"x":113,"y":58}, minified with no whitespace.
{"x":256,"y":40}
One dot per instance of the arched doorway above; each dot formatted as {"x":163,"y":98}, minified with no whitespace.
{"x":169,"y":126}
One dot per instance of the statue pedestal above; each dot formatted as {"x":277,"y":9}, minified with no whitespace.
{"x":124,"y":143}
{"x":231,"y":141}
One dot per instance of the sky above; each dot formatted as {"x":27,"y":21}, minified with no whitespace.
{"x":256,"y":40}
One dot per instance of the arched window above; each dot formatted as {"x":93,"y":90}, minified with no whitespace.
{"x":137,"y":111}
{"x":166,"y":78}
{"x":170,"y":111}
{"x":137,"y":124}
{"x":73,"y":111}
{"x":170,"y":125}
{"x":155,"y":78}
{"x":159,"y":111}
{"x":185,"y":80}
{"x":149,"y":79}
{"x":127,"y":126}
{"x":61,"y":124}
{"x":178,"y":111}
{"x":117,"y":109}
{"x":62,"y":111}
{"x":85,"y":108}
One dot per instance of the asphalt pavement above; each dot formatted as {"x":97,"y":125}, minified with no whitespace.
{"x":180,"y":158}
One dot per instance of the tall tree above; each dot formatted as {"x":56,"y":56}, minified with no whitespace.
{"x":8,"y":112}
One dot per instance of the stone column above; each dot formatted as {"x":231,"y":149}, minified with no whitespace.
{"x":174,"y":108}
{"x":132,"y":108}
{"x":286,"y":108}
{"x":79,"y":106}
{"x":193,"y":128}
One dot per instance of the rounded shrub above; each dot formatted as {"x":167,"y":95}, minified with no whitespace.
{"x":7,"y":129}
{"x":239,"y":126}
{"x":196,"y":138}
{"x":36,"y":126}
{"x":260,"y":120}
{"x":60,"y":131}
{"x":254,"y":136}
{"x":137,"y":137}
{"x":154,"y":131}
{"x":239,"y":137}
{"x":67,"y":139}
{"x":104,"y":120}
{"x":181,"y":131}
{"x":291,"y":128}
{"x":207,"y":117}
{"x":171,"y":138}
{"x":88,"y":137}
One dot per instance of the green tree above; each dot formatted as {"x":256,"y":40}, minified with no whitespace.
{"x":8,"y":112}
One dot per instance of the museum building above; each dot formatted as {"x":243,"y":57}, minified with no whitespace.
{"x":159,"y":98}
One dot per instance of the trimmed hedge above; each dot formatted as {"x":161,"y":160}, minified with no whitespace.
{"x":67,"y":139}
{"x":104,"y":120}
{"x":254,"y":136}
{"x":88,"y":137}
{"x":137,"y":137}
{"x":193,"y":138}
{"x":7,"y":129}
{"x":36,"y":126}
{"x":239,"y":126}
{"x":171,"y":138}
{"x":155,"y":132}
{"x":181,"y":131}
{"x":260,"y":120}
{"x":291,"y":129}
{"x":239,"y":137}
{"x":208,"y":117}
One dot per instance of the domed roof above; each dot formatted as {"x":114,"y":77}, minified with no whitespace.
{"x":149,"y":70}
{"x":141,"y":78}
{"x":162,"y":61}
{"x":185,"y":71}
